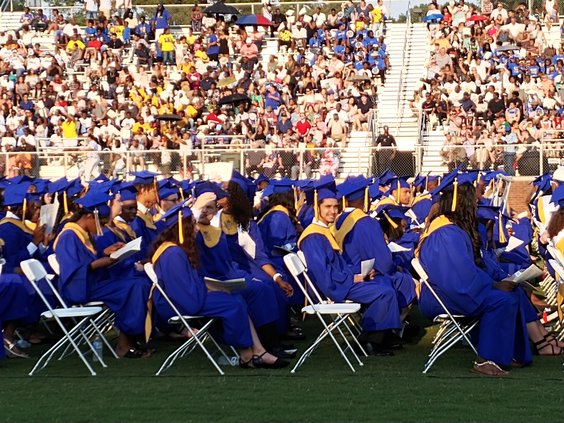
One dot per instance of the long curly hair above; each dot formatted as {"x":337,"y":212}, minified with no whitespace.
{"x":189,"y":244}
{"x":240,"y":206}
{"x":556,"y":223}
{"x":286,"y":200}
{"x":465,"y":216}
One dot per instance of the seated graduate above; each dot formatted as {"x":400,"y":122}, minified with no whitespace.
{"x":216,"y":262}
{"x":361,"y":238}
{"x":21,"y":242}
{"x":246,"y":245}
{"x":395,"y":225}
{"x":175,"y":258}
{"x":304,"y":210}
{"x":399,"y":194}
{"x":85,"y":277}
{"x":279,"y":228}
{"x":423,"y":201}
{"x":14,"y":300}
{"x":170,"y":193}
{"x":119,"y":230}
{"x":334,"y":278}
{"x":65,"y":192}
{"x":450,"y":253}
{"x":147,"y":198}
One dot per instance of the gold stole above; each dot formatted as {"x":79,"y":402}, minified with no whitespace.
{"x":147,"y":219}
{"x":316,"y":228}
{"x":540,"y":210}
{"x":17,"y":223}
{"x":347,"y":226}
{"x":211,"y":235}
{"x":274,"y":209}
{"x":421,"y":197}
{"x":436,"y":224}
{"x":228,"y":224}
{"x":383,"y":201}
{"x":124,"y":227}
{"x":80,"y":233}
{"x":149,"y":316}
{"x":559,"y":244}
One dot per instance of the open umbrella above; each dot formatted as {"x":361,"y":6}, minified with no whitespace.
{"x":168,"y":118}
{"x":433,"y":17}
{"x":477,"y":18}
{"x":233,"y":98}
{"x":253,"y":20}
{"x":220,"y":8}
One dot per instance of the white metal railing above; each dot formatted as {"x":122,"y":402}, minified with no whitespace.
{"x":406,"y":58}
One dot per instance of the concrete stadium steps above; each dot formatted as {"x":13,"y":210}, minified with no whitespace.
{"x":355,"y":159}
{"x":10,"y":20}
{"x":432,"y":160}
{"x":393,"y":99}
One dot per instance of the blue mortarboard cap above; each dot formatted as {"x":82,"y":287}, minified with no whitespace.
{"x":386,"y":177}
{"x":168,"y":190}
{"x":354,"y":187}
{"x":419,"y":181}
{"x":127,"y":192}
{"x":374,"y":191}
{"x":245,"y":183}
{"x":390,"y":211}
{"x":19,"y":179}
{"x":144,"y":177}
{"x":280,"y":186}
{"x":325,"y":187}
{"x":15,"y":194}
{"x":542,"y":183}
{"x":95,"y":200}
{"x":208,"y":186}
{"x":103,"y":186}
{"x":58,"y":186}
{"x":74,"y":187}
{"x":100,"y":178}
{"x":171,"y":216}
{"x":186,"y":186}
{"x":4,"y":183}
{"x":41,"y":185}
{"x":398,"y":182}
{"x":304,"y":183}
{"x":488,"y":176}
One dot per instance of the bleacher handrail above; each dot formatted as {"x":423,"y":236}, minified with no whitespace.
{"x":406,"y":57}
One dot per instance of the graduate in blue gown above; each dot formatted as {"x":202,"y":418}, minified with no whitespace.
{"x":334,"y":278}
{"x":279,"y":227}
{"x":147,"y":197}
{"x":247,"y":247}
{"x":85,"y":277}
{"x":450,"y":253}
{"x":13,"y":308}
{"x":361,"y":238}
{"x":395,"y":225}
{"x":175,"y":259}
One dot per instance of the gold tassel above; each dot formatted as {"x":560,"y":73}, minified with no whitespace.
{"x":427,"y":183}
{"x":344,"y":201}
{"x":180,"y":228}
{"x":181,"y":193}
{"x":65,"y":203}
{"x":315,"y":208}
{"x":295,"y":191}
{"x":24,"y":209}
{"x":366,"y":199}
{"x":98,"y":225}
{"x":390,"y":221}
{"x":502,"y":238}
{"x":454,"y":195}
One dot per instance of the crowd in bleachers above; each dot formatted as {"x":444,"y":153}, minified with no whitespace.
{"x":493,"y":84}
{"x":102,"y":85}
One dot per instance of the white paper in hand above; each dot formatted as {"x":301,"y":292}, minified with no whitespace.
{"x":396,"y":248}
{"x":127,"y":250}
{"x":513,"y":243}
{"x":48,"y":216}
{"x":366,"y":266}
{"x":247,"y":243}
{"x":529,"y":273}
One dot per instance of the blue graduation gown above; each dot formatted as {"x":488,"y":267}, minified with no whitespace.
{"x":421,"y":207}
{"x":188,"y":292}
{"x":13,"y":301}
{"x":365,"y":241}
{"x":306,"y":215}
{"x":16,"y":241}
{"x":110,"y":237}
{"x":216,"y":262}
{"x":277,"y":230}
{"x":149,"y":233}
{"x":125,"y":296}
{"x":409,"y":239}
{"x":254,"y":266}
{"x":332,"y":276}
{"x":447,"y":257}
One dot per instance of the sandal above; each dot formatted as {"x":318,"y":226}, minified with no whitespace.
{"x":488,"y":368}
{"x":259,"y":363}
{"x":555,"y":350}
{"x":12,"y":350}
{"x":246,"y":364}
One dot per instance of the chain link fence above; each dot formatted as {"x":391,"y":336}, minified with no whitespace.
{"x":291,"y":162}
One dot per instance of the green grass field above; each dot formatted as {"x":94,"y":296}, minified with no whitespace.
{"x":324,"y":390}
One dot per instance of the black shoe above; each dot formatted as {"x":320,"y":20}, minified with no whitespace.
{"x":295,"y":334}
{"x":392,"y":341}
{"x":259,"y":363}
{"x":410,"y":332}
{"x":376,"y":350}
{"x":281,"y":353}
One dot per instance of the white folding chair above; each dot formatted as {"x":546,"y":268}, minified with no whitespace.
{"x":197,"y":337}
{"x":81,"y":316}
{"x":101,"y":324}
{"x":453,"y":328}
{"x":335,"y":313}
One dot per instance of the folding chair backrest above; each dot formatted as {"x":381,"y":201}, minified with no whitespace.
{"x":297,"y":268}
{"x":34,"y":272}
{"x":54,"y":263}
{"x":557,"y":268}
{"x":419,"y":269}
